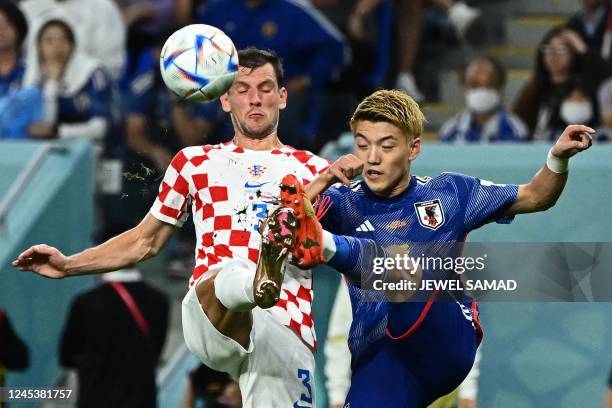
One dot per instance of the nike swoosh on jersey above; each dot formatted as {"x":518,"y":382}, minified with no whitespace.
{"x":255,"y":185}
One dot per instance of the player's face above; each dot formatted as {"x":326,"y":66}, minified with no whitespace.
{"x":55,"y":45}
{"x":387,"y":153}
{"x":254,"y":101}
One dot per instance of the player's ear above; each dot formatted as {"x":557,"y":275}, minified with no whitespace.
{"x":282,"y":97}
{"x":415,"y":147}
{"x":225,"y":105}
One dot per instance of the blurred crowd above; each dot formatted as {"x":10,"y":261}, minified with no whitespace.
{"x":98,"y":79}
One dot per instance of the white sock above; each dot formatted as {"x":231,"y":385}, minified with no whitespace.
{"x":329,"y":246}
{"x":234,"y":287}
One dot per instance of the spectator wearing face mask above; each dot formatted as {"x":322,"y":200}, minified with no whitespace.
{"x":578,"y":106}
{"x":485,"y":119}
{"x":561,"y":58}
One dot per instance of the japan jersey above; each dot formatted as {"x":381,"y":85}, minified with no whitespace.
{"x":228,"y":190}
{"x":410,"y":367}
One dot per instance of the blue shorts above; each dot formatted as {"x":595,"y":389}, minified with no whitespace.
{"x":428,"y":350}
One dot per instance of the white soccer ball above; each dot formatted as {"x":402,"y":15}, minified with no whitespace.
{"x":199,"y":63}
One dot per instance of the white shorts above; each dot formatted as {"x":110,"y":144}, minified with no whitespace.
{"x":277,"y":370}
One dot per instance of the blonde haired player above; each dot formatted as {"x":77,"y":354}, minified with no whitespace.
{"x":408,"y":354}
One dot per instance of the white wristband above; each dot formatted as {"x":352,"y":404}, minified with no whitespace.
{"x":555,"y":164}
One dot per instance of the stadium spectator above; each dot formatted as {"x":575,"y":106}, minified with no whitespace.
{"x":410,"y":17}
{"x":113,"y":337}
{"x":100,"y":32}
{"x":369,"y":34}
{"x":366,"y":26}
{"x":418,"y":24}
{"x":13,"y":29}
{"x":485,"y":118}
{"x":214,"y":388}
{"x":312,"y":50}
{"x":561,"y":57}
{"x":14,"y":354}
{"x":593,"y":24}
{"x":578,"y":106}
{"x":76,"y":87}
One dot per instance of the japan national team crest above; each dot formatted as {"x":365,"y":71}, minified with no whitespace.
{"x":256,"y":171}
{"x":430,"y":214}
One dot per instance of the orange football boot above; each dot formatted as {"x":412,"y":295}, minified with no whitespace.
{"x":307,"y":250}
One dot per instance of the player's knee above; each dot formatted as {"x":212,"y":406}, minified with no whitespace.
{"x":233,"y":288}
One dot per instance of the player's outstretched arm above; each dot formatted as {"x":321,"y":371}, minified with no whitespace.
{"x":343,"y":170}
{"x":546,"y":186}
{"x":141,"y":242}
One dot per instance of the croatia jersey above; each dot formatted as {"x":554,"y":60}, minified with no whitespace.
{"x":408,"y":354}
{"x":228,"y":190}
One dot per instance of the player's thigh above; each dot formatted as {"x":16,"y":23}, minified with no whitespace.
{"x":214,"y":344}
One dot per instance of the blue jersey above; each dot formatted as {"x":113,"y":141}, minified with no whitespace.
{"x":92,"y":100}
{"x":503,"y":126}
{"x":409,"y":354}
{"x":12,"y":80}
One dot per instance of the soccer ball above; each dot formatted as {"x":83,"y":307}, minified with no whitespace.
{"x":199,"y":63}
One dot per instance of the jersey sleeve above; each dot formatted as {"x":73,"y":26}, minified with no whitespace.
{"x":485,"y":201}
{"x":173,"y":201}
{"x":310,"y":165}
{"x":100,"y":94}
{"x":141,"y":88}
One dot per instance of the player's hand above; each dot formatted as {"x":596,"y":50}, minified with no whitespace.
{"x":43,"y":260}
{"x":53,"y":70}
{"x":574,"y":40}
{"x":574,"y":139}
{"x":343,"y":170}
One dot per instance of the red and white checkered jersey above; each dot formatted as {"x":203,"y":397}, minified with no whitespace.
{"x":229,"y":190}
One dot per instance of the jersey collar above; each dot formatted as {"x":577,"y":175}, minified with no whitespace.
{"x":390,"y":200}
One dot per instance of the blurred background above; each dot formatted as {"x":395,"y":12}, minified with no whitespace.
{"x":87,"y":128}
